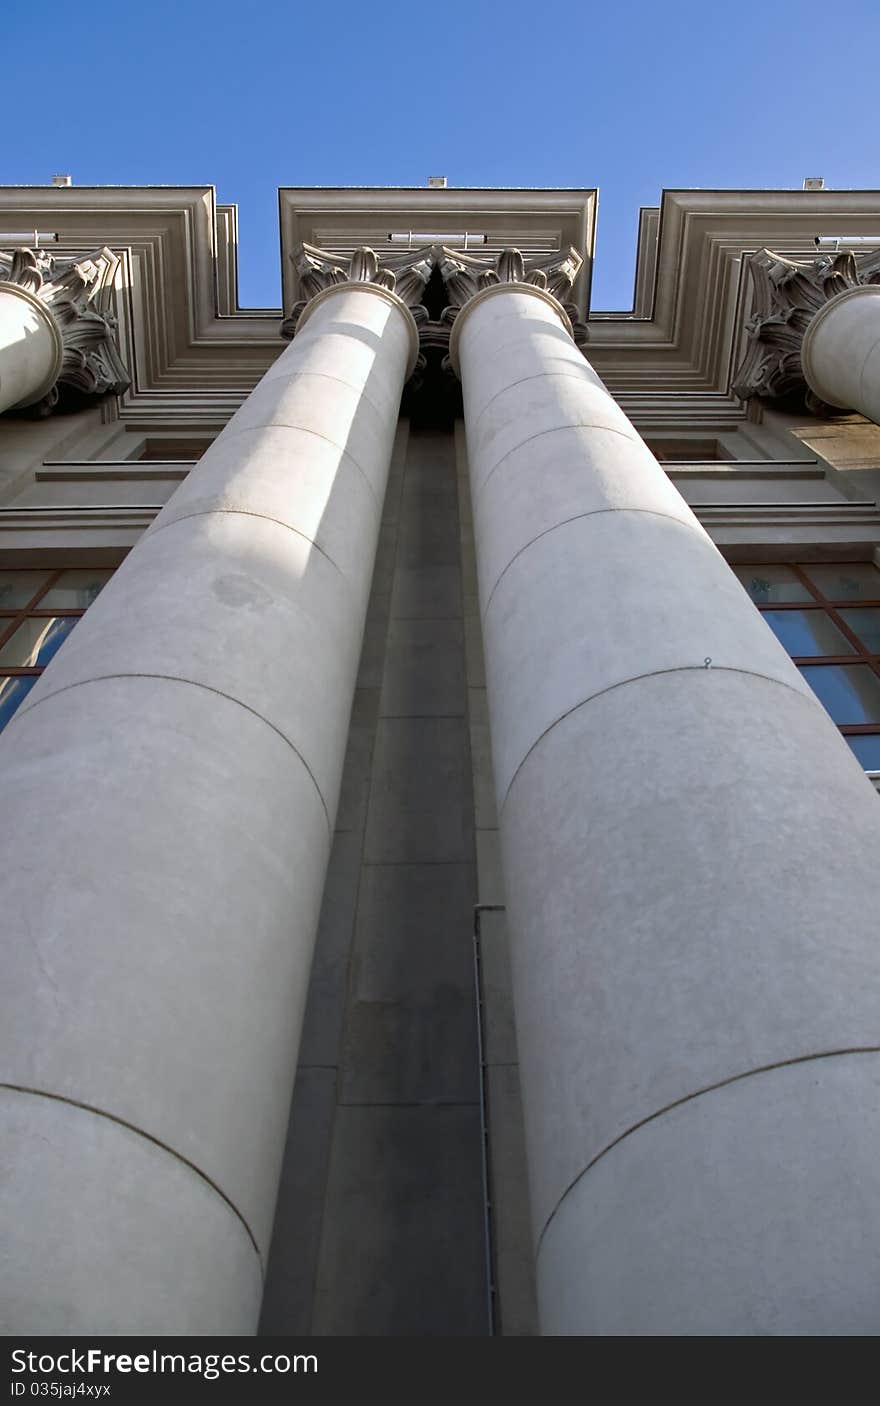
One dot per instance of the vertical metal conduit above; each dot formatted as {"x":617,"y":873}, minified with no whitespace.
{"x":488,"y":1225}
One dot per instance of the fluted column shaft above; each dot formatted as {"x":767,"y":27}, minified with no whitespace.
{"x":30,"y":348}
{"x":171,"y":785}
{"x":840,"y":354}
{"x":690,"y":858}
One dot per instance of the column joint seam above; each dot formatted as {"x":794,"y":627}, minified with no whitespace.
{"x":539,"y":376}
{"x":524,"y":337}
{"x":303,"y":429}
{"x":148,"y":1137}
{"x":577,"y":517}
{"x":192,"y":683}
{"x":637,"y":678}
{"x":247,"y":512}
{"x":690,"y":1098}
{"x":556,"y":429}
{"x":324,"y":376}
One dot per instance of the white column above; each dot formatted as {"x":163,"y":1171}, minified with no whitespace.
{"x":691,"y":862}
{"x":170,"y":789}
{"x":30,"y":348}
{"x":841,"y":351}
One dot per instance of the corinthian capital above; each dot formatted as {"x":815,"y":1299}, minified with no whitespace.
{"x":405,"y":274}
{"x":77,"y":293}
{"x":465,"y":275}
{"x":787,"y":295}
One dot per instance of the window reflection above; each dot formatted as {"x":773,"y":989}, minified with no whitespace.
{"x":856,"y":580}
{"x":38,"y":610}
{"x":772,"y":585}
{"x":74,"y":590}
{"x":18,"y":588}
{"x":807,"y":606}
{"x":13,"y":691}
{"x":36,"y":641}
{"x":865,"y":622}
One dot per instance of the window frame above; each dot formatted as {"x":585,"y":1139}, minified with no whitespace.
{"x":13,"y":617}
{"x":831,"y":607}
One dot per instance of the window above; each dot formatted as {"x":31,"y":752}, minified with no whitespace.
{"x":38,"y":610}
{"x":828,"y":618}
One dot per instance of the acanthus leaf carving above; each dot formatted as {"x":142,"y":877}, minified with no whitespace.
{"x":787,"y":295}
{"x":465,"y":275}
{"x":404,"y":274}
{"x":408,"y":273}
{"x":77,"y":292}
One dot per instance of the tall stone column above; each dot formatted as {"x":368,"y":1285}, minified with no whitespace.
{"x":815,"y":332}
{"x":171,"y":785}
{"x":57,"y":333}
{"x":690,"y":858}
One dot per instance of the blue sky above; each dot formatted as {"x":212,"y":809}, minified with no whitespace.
{"x":627,"y":96}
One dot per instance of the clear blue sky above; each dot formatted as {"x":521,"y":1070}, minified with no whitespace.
{"x":627,"y":96}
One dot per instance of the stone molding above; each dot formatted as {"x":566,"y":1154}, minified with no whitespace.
{"x":76,"y":294}
{"x":788,"y":294}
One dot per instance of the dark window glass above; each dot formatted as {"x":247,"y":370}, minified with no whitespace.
{"x":864,"y":622}
{"x":807,"y":632}
{"x":850,"y":692}
{"x":808,"y":609}
{"x":866,"y":746}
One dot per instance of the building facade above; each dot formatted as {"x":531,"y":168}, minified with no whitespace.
{"x":440,"y":861}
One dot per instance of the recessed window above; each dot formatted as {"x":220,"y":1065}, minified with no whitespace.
{"x":827,"y":616}
{"x":174,"y":450}
{"x":38,"y":610}
{"x":686,"y":451}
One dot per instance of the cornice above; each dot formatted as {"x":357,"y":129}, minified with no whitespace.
{"x":684,"y":353}
{"x":509,"y":217}
{"x":194,"y":356}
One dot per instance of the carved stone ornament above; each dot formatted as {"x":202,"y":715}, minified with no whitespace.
{"x":787,"y":295}
{"x":465,"y":275}
{"x":77,"y":293}
{"x":405,"y":274}
{"x":454,"y":275}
